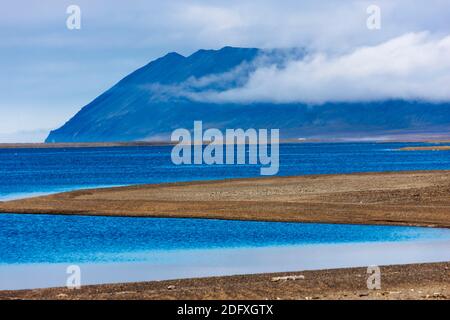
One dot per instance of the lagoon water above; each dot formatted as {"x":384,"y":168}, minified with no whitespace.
{"x":36,"y":249}
{"x":83,"y":239}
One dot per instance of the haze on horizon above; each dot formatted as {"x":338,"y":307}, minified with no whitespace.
{"x":50,"y":72}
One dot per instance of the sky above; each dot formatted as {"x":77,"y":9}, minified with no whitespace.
{"x":49,"y":72}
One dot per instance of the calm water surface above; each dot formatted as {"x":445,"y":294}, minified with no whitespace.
{"x":36,"y":249}
{"x":78,"y":239}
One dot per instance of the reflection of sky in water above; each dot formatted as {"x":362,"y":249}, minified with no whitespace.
{"x":55,"y":239}
{"x":176,"y":264}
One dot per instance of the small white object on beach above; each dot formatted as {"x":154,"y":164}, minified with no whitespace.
{"x":299,"y":277}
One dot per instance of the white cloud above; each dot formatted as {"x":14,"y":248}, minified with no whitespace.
{"x":415,"y":66}
{"x":119,"y":36}
{"x":216,"y":19}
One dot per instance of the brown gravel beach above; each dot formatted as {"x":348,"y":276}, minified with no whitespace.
{"x":416,"y":281}
{"x":401,"y":198}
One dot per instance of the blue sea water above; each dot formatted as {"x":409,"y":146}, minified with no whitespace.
{"x":34,"y":171}
{"x":80,"y":239}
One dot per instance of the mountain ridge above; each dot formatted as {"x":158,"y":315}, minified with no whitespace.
{"x":149,"y":103}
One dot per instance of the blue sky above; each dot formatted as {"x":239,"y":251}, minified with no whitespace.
{"x":50,"y":72}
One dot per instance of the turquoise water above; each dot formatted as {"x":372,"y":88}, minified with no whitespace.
{"x":36,"y":171}
{"x":80,"y":239}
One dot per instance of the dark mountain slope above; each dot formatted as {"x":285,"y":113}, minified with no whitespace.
{"x":148,"y":105}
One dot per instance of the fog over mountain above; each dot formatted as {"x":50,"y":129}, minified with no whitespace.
{"x":397,"y":87}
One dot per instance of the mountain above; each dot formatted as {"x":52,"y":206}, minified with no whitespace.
{"x":160,"y":97}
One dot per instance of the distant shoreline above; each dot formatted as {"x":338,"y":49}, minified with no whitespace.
{"x":169,"y":143}
{"x":430,"y":148}
{"x":81,"y":145}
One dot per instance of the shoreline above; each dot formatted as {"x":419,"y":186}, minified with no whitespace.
{"x":431,"y":148}
{"x":417,"y":198}
{"x":410,"y":281}
{"x":44,"y":145}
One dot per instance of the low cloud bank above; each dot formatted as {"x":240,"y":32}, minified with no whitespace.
{"x":414,"y":66}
